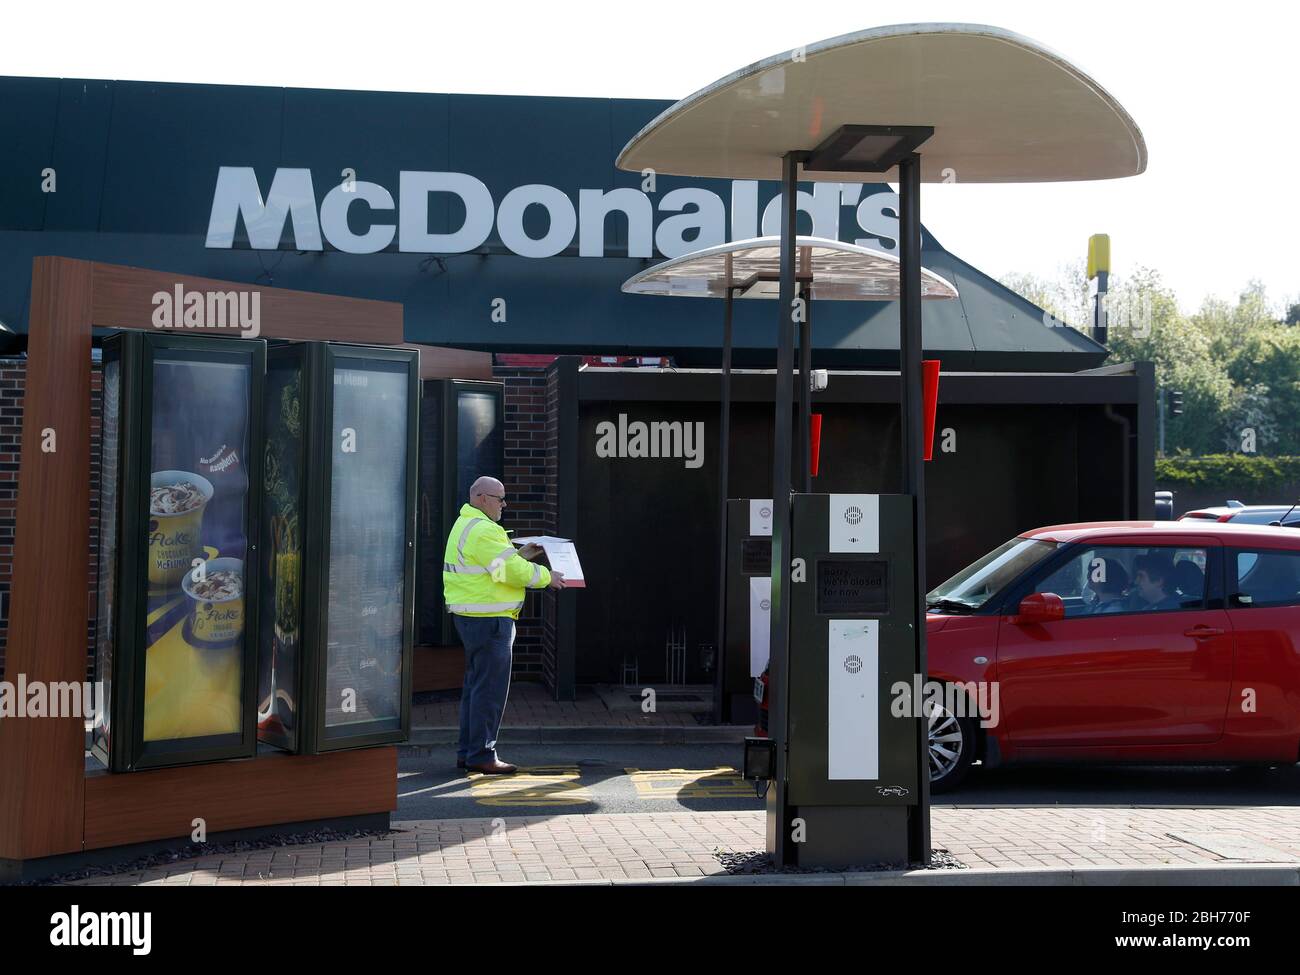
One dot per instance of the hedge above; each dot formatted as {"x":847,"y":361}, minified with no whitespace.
{"x":1228,"y":472}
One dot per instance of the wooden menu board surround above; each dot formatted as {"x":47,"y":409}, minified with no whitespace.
{"x":41,"y":759}
{"x":438,"y":363}
{"x":123,"y":298}
{"x":264,"y":791}
{"x":49,"y":804}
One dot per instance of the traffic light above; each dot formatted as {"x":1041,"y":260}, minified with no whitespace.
{"x":1175,"y":402}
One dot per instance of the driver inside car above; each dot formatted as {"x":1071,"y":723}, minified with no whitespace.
{"x":1106,"y":595}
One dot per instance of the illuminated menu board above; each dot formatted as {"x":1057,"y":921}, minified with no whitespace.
{"x":177,"y":608}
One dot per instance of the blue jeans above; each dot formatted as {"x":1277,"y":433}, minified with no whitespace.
{"x":488,"y":642}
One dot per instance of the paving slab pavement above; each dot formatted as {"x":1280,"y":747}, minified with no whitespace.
{"x":1067,"y":845}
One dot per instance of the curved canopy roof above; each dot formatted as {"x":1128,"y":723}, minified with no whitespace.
{"x":840,"y":271}
{"x":1005,"y":109}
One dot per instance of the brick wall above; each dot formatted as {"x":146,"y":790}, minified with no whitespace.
{"x":13,"y":380}
{"x":526,"y":506}
{"x":92,"y":567}
{"x":550,"y":601}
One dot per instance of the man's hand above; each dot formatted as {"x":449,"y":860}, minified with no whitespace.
{"x":557,"y":580}
{"x":531,"y":551}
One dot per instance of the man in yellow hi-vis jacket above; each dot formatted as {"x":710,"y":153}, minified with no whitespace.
{"x":483,"y":581}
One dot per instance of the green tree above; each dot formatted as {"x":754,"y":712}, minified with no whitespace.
{"x":1148,"y":326}
{"x":1269,"y":356}
{"x":1237,"y":365}
{"x":1249,"y":426}
{"x":1064,"y":297}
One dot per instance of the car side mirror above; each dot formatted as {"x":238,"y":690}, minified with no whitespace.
{"x":1040,"y":607}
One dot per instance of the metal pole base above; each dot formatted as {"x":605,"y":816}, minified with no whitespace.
{"x":845,"y":837}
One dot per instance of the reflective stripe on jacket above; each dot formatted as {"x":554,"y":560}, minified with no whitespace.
{"x":482,"y":574}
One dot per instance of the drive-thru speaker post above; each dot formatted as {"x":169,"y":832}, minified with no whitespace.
{"x":915,"y":103}
{"x":852,"y":776}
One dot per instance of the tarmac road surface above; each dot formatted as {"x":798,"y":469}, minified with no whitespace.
{"x":577,"y":778}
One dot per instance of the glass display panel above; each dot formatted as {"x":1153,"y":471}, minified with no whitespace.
{"x":198,"y":494}
{"x":852,"y":587}
{"x":478,"y":440}
{"x":368,"y":479}
{"x":281,"y":616}
{"x":109,"y":472}
{"x":756,"y":556}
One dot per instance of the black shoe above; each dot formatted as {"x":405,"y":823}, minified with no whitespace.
{"x":494,"y":767}
{"x":460,"y":763}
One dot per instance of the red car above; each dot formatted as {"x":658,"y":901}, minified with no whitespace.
{"x":1153,"y":642}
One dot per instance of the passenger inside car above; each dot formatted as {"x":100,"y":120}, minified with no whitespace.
{"x":1152,"y":583}
{"x":1189,"y":580}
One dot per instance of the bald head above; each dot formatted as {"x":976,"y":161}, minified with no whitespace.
{"x":485,"y":485}
{"x":489,"y":496}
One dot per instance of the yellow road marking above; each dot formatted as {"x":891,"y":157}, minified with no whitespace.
{"x":537,"y":785}
{"x":722,"y":782}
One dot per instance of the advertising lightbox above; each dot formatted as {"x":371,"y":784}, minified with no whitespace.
{"x":177,"y":629}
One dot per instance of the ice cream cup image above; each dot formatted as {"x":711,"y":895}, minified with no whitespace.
{"x":216,"y":600}
{"x":177,"y":500}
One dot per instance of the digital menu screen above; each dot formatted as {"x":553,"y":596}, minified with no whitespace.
{"x":280,"y":620}
{"x":367,"y":545}
{"x":479,"y":445}
{"x":852,"y":587}
{"x":198,"y":493}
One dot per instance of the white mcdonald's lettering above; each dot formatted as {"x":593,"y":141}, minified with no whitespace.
{"x":690,"y":217}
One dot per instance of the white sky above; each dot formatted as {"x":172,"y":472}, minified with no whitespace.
{"x":1207,"y":84}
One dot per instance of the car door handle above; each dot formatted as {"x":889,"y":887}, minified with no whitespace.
{"x":1202,"y":632}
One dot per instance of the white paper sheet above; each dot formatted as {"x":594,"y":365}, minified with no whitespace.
{"x":563,"y":556}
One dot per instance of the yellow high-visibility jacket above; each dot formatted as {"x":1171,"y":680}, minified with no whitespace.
{"x":482,"y":574}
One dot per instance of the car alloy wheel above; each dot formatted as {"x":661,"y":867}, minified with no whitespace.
{"x":946,"y":743}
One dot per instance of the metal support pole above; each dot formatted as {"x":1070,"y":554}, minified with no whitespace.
{"x":1160,"y":406}
{"x":805,"y":392}
{"x":913,"y":426}
{"x":778,"y":835}
{"x":1100,"y":318}
{"x":721,"y":707}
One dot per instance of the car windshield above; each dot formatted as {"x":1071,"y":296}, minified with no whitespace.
{"x":976,"y":584}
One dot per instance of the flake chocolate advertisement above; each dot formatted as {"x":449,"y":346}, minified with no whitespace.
{"x":176,"y":620}
{"x":281,"y":626}
{"x":198,"y":490}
